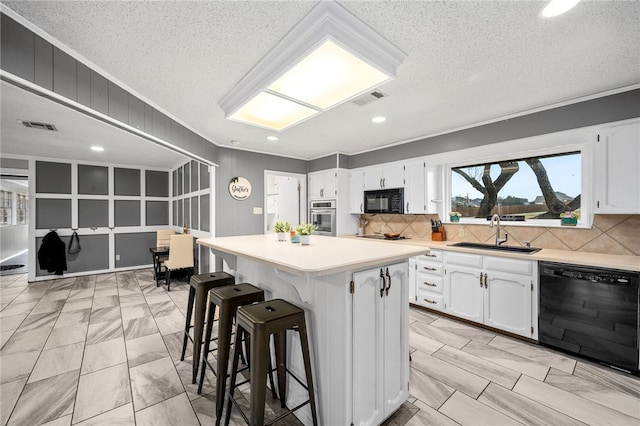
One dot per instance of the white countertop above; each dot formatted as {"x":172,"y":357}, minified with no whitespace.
{"x":324,"y":256}
{"x":601,"y":260}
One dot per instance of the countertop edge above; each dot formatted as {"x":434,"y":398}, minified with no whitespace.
{"x":600,"y":260}
{"x":297,"y":270}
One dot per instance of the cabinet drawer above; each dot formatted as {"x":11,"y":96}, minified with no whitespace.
{"x":429,"y":282}
{"x":464,"y":259}
{"x":430,"y":300}
{"x":503,"y":264}
{"x":433,"y":268}
{"x":433,"y":256}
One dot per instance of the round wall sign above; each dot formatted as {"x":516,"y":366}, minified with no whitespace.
{"x":239,"y":188}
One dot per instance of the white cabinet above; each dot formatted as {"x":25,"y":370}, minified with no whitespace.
{"x":381,"y":345}
{"x":323,"y":184}
{"x":491,"y":290}
{"x":415,"y":189}
{"x":426,"y":275}
{"x":617,"y":183}
{"x":423,"y":187}
{"x":386,"y":176}
{"x":356,"y":191}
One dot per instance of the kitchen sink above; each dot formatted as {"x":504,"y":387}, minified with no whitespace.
{"x":513,"y":249}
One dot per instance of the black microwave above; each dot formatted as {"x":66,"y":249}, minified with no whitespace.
{"x":384,"y":201}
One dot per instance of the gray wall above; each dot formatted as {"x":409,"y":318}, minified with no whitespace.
{"x":236,"y":217}
{"x":28,"y":56}
{"x":14,"y":163}
{"x":324,"y":163}
{"x":617,"y":107}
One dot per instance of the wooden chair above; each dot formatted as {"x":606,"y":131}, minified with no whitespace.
{"x":180,"y":256}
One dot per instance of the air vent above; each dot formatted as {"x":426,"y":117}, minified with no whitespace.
{"x":41,"y":126}
{"x":367,"y":98}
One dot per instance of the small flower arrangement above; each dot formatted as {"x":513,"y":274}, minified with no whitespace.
{"x":455,"y":216}
{"x":282,"y":227}
{"x":569,"y":218}
{"x":306,"y":228}
{"x":574,"y":215}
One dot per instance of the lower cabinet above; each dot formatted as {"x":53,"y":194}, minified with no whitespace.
{"x":491,"y":290}
{"x":381,"y":345}
{"x":426,"y":274}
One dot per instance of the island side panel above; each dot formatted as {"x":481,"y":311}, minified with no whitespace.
{"x":327,"y":304}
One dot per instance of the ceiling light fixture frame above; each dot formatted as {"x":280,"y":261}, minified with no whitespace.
{"x":326,"y":21}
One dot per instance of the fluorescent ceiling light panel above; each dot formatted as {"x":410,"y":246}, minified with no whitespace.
{"x":328,"y":76}
{"x":558,"y":7}
{"x":272,"y":112}
{"x":328,"y":58}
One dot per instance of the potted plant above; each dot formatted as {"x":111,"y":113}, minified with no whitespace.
{"x":305,"y":230}
{"x":454,"y":216}
{"x":569,"y":218}
{"x":282,"y":229}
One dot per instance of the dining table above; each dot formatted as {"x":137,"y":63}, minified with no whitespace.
{"x":157,"y":253}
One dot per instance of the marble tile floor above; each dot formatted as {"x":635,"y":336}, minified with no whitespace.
{"x":105,"y":349}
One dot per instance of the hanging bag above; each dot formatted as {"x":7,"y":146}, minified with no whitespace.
{"x":74,"y":244}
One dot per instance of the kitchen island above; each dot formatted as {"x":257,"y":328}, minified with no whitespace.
{"x":355,"y":296}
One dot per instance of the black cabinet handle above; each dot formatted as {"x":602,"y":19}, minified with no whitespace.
{"x":389,"y":278}
{"x":383,"y":283}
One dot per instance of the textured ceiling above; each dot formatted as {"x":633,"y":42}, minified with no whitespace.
{"x":467,"y":62}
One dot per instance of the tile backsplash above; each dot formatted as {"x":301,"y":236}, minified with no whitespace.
{"x":611,"y":234}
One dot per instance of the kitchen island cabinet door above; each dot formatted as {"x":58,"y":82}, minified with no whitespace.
{"x":381,"y":343}
{"x":367,"y":348}
{"x":463,"y":293}
{"x":507,"y":302}
{"x":396,"y":339}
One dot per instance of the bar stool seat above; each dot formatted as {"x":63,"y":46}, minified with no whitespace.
{"x":259,"y":321}
{"x":199,"y":286}
{"x":227,"y":299}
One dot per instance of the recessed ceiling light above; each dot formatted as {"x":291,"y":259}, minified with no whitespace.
{"x":97,"y":148}
{"x":379,"y":119}
{"x":557,"y":7}
{"x":235,"y":142}
{"x":273,"y":138}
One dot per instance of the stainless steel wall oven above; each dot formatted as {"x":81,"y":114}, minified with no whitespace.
{"x":323,"y":215}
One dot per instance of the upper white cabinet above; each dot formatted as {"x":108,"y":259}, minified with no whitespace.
{"x":415,"y":189}
{"x":323,"y":184}
{"x":423,"y":187}
{"x":381,"y":345}
{"x":389,"y":175}
{"x":491,"y":290}
{"x":356,"y":191}
{"x":617,"y":156}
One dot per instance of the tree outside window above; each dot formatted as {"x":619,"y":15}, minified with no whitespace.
{"x":529,"y":188}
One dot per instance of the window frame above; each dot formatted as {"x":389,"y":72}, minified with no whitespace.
{"x":538,"y":146}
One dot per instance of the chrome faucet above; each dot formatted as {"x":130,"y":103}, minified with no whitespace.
{"x":499,"y":240}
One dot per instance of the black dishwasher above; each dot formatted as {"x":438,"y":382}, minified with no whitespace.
{"x":591,"y":312}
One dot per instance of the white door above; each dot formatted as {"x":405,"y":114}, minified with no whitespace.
{"x":356,"y":192}
{"x":507,"y":302}
{"x":396,"y":338}
{"x":367,"y":348}
{"x":463,"y":293}
{"x":414,"y":188}
{"x":393,"y":176}
{"x":373,"y":178}
{"x":617,"y":158}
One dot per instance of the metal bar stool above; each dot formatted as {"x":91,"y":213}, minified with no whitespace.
{"x":227,"y":299}
{"x":260,"y":321}
{"x":198,"y":291}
